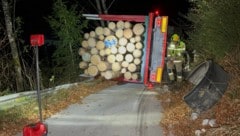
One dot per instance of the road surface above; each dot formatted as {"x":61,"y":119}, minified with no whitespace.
{"x":120,"y":110}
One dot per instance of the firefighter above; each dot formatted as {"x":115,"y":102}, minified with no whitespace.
{"x":175,"y":58}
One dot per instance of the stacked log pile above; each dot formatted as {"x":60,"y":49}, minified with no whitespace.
{"x":113,"y":51}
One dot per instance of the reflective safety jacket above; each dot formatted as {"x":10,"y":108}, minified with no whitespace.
{"x":176,"y":50}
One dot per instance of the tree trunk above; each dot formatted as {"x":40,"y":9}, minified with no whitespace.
{"x":14,"y":50}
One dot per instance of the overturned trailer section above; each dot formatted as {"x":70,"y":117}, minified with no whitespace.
{"x":210,"y":82}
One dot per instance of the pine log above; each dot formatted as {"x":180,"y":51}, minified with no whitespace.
{"x":101,"y":37}
{"x":95,"y":59}
{"x":86,"y":57}
{"x":123,"y":70}
{"x":132,"y":67}
{"x":138,"y":38}
{"x":86,"y":36}
{"x":107,"y":51}
{"x":111,"y":58}
{"x":85,"y":44}
{"x":116,"y":66}
{"x":91,"y":42}
{"x":86,"y":72}
{"x":92,"y":34}
{"x":99,"y":30}
{"x":125,"y":64}
{"x":132,"y":40}
{"x":122,"y":50}
{"x":130,"y":47}
{"x":92,"y":70}
{"x":139,"y":45}
{"x":106,"y":31}
{"x":102,"y":53}
{"x":123,"y":41}
{"x":127,"y":25}
{"x":137,"y":61}
{"x":137,"y":53}
{"x":119,"y":33}
{"x":120,"y":24}
{"x":138,"y":29}
{"x":94,"y":51}
{"x":81,"y":51}
{"x":83,"y":65}
{"x":111,"y":74}
{"x":128,"y":75}
{"x":90,"y":64}
{"x":100,"y":45}
{"x":103,"y":66}
{"x":135,"y":76}
{"x":112,"y":26}
{"x":129,"y":57}
{"x":114,"y":50}
{"x":128,"y":33}
{"x":119,"y":57}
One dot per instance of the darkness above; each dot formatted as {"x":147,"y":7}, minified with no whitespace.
{"x":34,"y":11}
{"x":166,"y":7}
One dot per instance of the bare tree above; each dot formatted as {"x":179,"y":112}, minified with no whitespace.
{"x":12,"y":42}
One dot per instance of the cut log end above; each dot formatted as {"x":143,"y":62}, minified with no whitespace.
{"x":93,"y":70}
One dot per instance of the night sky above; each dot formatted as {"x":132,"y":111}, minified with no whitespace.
{"x":33,"y":11}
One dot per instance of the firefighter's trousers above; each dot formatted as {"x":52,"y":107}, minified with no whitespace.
{"x":177,"y":66}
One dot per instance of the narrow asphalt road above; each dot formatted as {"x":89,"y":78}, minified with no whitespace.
{"x":120,"y":110}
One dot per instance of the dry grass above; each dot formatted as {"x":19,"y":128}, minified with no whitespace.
{"x":177,"y":115}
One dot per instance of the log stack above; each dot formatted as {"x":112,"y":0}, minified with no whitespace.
{"x":113,"y":51}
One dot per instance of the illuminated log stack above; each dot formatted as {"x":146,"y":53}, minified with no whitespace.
{"x":113,"y":51}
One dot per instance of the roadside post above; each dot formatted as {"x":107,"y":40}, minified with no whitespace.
{"x":39,"y":128}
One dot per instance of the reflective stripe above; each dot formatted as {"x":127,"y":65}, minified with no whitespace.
{"x":179,"y":77}
{"x":171,"y":48}
{"x":177,"y":61}
{"x":179,"y":49}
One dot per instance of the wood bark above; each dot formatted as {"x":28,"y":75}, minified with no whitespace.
{"x":13,"y":45}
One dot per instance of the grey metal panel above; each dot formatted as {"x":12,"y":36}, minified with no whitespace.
{"x":157,"y":47}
